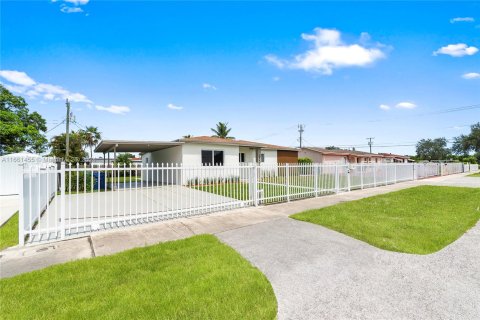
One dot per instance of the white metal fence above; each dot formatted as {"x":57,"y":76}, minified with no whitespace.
{"x":75,"y":200}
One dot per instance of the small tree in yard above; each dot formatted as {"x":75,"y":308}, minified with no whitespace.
{"x":124,"y":159}
{"x":305,"y":160}
{"x":76,"y":143}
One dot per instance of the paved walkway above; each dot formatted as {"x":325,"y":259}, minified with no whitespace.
{"x":315,"y":272}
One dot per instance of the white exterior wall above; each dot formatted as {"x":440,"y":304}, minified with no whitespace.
{"x":192,"y":153}
{"x":270,"y":156}
{"x":249,"y":154}
{"x":169,"y":155}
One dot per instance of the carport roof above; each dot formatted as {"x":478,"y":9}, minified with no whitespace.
{"x":134,"y":146}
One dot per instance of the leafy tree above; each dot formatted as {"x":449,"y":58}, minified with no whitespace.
{"x":91,"y":137}
{"x":332,"y":148}
{"x":76,"y":143}
{"x":432,"y":149}
{"x":466,"y":144}
{"x":124,"y":158}
{"x":222,"y":131}
{"x":20,"y":129}
{"x":187,"y":136}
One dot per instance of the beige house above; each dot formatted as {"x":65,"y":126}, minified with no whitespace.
{"x":322,"y":155}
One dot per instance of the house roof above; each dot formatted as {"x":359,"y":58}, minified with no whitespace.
{"x":241,"y":143}
{"x":342,"y":152}
{"x":392,"y":155}
{"x":134,"y":145}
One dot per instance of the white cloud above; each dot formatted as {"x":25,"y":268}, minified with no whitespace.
{"x":17,"y":77}
{"x":457,"y":50}
{"x":384,"y":107}
{"x":174,"y":107}
{"x":276,"y":78}
{"x":114,"y":109}
{"x":71,"y":6}
{"x":66,"y":9}
{"x":21,"y":83}
{"x":275,"y":61}
{"x":209,"y":86}
{"x":462,"y":19}
{"x":330,"y":52}
{"x":471,"y":75}
{"x":77,"y":2}
{"x":406,"y":105}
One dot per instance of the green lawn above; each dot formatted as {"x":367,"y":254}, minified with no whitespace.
{"x":418,"y":220}
{"x":240,"y":190}
{"x":195,"y":278}
{"x":9,"y":233}
{"x":477,"y":175}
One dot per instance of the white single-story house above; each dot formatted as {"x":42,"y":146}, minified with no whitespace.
{"x":206,"y":150}
{"x":201,"y":151}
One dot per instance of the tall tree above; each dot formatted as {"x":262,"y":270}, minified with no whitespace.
{"x":91,"y":137}
{"x":432,"y":149}
{"x":466,"y":144}
{"x":76,"y":143}
{"x":222,"y":131}
{"x":20,"y":129}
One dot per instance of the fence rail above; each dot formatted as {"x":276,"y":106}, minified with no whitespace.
{"x":70,"y":201}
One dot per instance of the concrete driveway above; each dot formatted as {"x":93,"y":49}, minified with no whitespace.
{"x":87,"y":212}
{"x":318,"y":273}
{"x":8,"y":206}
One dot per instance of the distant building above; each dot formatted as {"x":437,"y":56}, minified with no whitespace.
{"x":342,"y":156}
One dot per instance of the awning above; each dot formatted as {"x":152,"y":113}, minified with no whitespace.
{"x":134,"y":146}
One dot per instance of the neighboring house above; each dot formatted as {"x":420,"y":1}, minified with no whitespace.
{"x":341,"y":156}
{"x":390,"y":158}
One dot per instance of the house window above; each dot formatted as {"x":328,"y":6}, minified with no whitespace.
{"x":262,"y":157}
{"x":212,"y":157}
{"x":241,"y":157}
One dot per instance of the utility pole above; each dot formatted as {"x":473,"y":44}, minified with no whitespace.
{"x":370,"y":143}
{"x":67,"y":132}
{"x":301,"y":128}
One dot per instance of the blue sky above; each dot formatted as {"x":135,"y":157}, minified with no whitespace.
{"x":159,"y":70}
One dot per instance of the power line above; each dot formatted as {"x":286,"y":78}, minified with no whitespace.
{"x":63,"y":121}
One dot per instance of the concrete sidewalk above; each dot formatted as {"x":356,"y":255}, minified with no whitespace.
{"x":18,"y":260}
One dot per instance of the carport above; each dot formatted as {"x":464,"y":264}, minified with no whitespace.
{"x":107,"y":146}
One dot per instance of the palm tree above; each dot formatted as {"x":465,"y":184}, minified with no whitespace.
{"x":91,"y":138}
{"x":222,"y":131}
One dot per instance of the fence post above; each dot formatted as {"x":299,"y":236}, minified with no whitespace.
{"x":316,"y":167}
{"x":361,"y":176}
{"x":336,"y":179}
{"x":375,"y":166}
{"x":349,"y":182}
{"x":386,"y":174}
{"x":62,"y":200}
{"x":413,"y":172}
{"x":395,"y":173}
{"x":21,"y":217}
{"x":254,"y":187}
{"x":287,"y":181}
